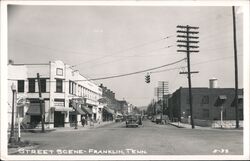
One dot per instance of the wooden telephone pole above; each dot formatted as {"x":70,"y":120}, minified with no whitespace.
{"x":41,"y":102}
{"x":236,"y":69}
{"x":188,"y":41}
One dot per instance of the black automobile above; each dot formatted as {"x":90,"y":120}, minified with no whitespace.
{"x":132,"y":121}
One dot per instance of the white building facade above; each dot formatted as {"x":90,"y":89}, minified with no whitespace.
{"x":59,"y":85}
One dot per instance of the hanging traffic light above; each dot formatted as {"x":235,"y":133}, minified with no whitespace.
{"x":147,"y":78}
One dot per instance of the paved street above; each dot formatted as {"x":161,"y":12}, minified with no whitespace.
{"x":150,"y":139}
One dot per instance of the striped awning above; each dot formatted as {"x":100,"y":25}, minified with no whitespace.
{"x":109,"y":110}
{"x":80,"y":111}
{"x":87,"y":110}
{"x":61,"y":109}
{"x":34,"y":109}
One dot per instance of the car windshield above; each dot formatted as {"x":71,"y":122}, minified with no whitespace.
{"x":132,"y":117}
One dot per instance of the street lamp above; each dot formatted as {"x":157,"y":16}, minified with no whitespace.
{"x":12,"y":139}
{"x":221,"y":116}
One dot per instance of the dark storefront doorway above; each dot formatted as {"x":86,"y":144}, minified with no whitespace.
{"x":35,"y":120}
{"x":58,"y":119}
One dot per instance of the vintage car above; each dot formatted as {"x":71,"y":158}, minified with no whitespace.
{"x":132,"y":121}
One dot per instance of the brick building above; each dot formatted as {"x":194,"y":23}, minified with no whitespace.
{"x":207,"y":103}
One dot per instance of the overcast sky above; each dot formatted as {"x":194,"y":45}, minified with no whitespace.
{"x":103,"y":41}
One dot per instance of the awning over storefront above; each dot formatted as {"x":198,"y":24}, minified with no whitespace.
{"x":62,"y":109}
{"x":87,"y":110}
{"x":220,"y":100}
{"x":80,"y":111}
{"x":109,"y":110}
{"x":34,"y":109}
{"x":223,"y":97}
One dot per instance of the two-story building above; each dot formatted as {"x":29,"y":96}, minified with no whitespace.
{"x":59,"y":83}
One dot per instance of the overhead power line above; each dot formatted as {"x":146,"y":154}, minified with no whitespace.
{"x":142,"y":71}
{"x":124,"y":50}
{"x":194,"y":64}
{"x":122,"y":59}
{"x":127,"y":74}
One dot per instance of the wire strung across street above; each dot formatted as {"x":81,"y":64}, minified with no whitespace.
{"x":127,"y":74}
{"x":125,"y":50}
{"x":142,"y":71}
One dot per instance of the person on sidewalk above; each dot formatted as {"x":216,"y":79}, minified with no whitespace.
{"x":83,"y":121}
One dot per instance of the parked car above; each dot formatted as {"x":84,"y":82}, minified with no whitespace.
{"x":158,"y":119}
{"x":162,"y":119}
{"x":132,"y":120}
{"x":119,"y":119}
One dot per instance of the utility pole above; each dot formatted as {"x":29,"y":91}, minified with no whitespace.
{"x":188,"y":42}
{"x":236,"y":68}
{"x":40,"y":101}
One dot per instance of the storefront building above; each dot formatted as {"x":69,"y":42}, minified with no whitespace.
{"x":60,"y":85}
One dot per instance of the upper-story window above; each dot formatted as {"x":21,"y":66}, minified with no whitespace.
{"x":32,"y":85}
{"x":20,"y":86}
{"x":43,"y":85}
{"x":59,"y":71}
{"x":70,"y":87}
{"x":205,"y":100}
{"x":59,"y":85}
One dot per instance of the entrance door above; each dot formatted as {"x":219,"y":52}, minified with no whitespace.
{"x":34,"y":120}
{"x":58,"y":119}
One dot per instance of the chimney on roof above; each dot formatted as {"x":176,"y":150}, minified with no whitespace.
{"x":213,"y":83}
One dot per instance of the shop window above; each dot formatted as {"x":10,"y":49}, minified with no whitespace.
{"x":205,"y":100}
{"x":59,"y":102}
{"x":20,"y":86}
{"x":59,"y":85}
{"x":70,"y":103}
{"x":43,"y":85}
{"x":32,"y":85}
{"x":70,"y":87}
{"x":21,"y":111}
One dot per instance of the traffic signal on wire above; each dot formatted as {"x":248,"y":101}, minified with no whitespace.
{"x":147,"y":78}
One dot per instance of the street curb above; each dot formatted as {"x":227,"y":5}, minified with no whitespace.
{"x":38,"y":130}
{"x":176,"y":125}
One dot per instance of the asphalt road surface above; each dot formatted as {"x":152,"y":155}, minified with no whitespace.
{"x":149,"y":139}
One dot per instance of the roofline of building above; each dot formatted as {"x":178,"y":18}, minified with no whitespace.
{"x":30,"y":64}
{"x":206,"y":88}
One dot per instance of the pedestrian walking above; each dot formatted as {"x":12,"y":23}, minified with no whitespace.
{"x":83,"y":121}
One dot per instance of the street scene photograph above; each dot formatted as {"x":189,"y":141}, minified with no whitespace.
{"x":125,"y":80}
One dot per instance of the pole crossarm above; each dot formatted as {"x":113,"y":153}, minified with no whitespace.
{"x":185,"y":41}
{"x":190,"y":37}
{"x":194,"y":51}
{"x":185,"y":46}
{"x":187,"y":26}
{"x":190,"y":32}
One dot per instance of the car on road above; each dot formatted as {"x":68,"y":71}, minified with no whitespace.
{"x":132,"y":121}
{"x":158,"y":119}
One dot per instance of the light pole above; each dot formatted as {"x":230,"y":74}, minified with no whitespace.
{"x":221,"y":116}
{"x":12,"y":139}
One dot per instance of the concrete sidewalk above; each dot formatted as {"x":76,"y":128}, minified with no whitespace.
{"x":86,"y":127}
{"x":188,"y":126}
